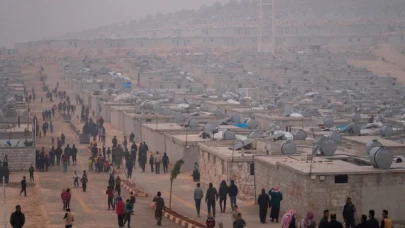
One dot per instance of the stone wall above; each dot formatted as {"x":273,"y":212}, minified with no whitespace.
{"x":373,"y":190}
{"x":19,"y":158}
{"x":214,"y":169}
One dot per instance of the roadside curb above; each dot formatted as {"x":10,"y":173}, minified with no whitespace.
{"x":180,"y":221}
{"x":137,"y":192}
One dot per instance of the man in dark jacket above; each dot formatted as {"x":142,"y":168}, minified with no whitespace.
{"x":74,"y":154}
{"x":58,"y":154}
{"x":348,"y":213}
{"x":132,"y":137}
{"x":17,"y":218}
{"x":23,"y":186}
{"x":363,"y":223}
{"x":372,"y":222}
{"x":223,"y":193}
{"x":233,"y":193}
{"x":68,"y":152}
{"x":210,"y":197}
{"x":133,"y":156}
{"x":159,"y":206}
{"x":325,"y":219}
{"x":264,"y":202}
{"x":165,"y":161}
{"x":333,"y":223}
{"x":114,"y":141}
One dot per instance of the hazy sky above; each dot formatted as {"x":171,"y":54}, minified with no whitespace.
{"x":24,"y":20}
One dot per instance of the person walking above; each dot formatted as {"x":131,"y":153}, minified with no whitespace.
{"x":223,"y":194}
{"x":128,"y":212}
{"x":198,"y":195}
{"x":109,"y":154}
{"x":17,"y":218}
{"x":158,"y":159}
{"x":334,"y":223}
{"x":210,"y":197}
{"x":74,"y":154}
{"x":63,"y":196}
{"x":68,"y":197}
{"x":65,"y":160}
{"x":165,"y":161}
{"x":120,"y":211}
{"x":31,"y":171}
{"x":240,"y":222}
{"x":372,"y":222}
{"x":151,"y":163}
{"x":363,"y":222}
{"x":69,"y":219}
{"x":118,"y":185}
{"x":348,"y":213}
{"x":325,"y":219}
{"x":386,"y":222}
{"x":289,"y":219}
{"x":132,"y":201}
{"x":133,"y":155}
{"x":276,"y":198}
{"x":308,"y":221}
{"x":264,"y":202}
{"x":210,"y":222}
{"x":110,"y":197}
{"x":130,"y":166}
{"x":84,"y":181}
{"x":159,"y":205}
{"x":233,"y":193}
{"x":76,"y":180}
{"x":23,"y":187}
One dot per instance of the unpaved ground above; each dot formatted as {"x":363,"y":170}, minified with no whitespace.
{"x":31,"y":205}
{"x":394,"y":63}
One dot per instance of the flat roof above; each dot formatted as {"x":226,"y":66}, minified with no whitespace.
{"x":163,"y":126}
{"x":368,"y":138}
{"x":190,"y":138}
{"x":322,"y":165}
{"x":225,"y":151}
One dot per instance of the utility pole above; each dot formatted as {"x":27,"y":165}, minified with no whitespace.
{"x":4,"y":202}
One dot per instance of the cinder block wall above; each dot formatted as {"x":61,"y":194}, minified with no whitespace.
{"x":19,"y":158}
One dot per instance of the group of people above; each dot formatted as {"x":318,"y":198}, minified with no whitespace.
{"x":212,"y":195}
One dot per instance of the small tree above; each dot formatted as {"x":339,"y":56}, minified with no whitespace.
{"x":173,"y":175}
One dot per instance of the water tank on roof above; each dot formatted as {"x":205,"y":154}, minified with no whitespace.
{"x":402,"y":111}
{"x":254,"y":135}
{"x":157,"y":108}
{"x":193,"y":123}
{"x":288,"y":148}
{"x":208,"y":128}
{"x":219,"y":111}
{"x":381,"y":157}
{"x":336,"y":137}
{"x":328,"y":121}
{"x":356,"y":117}
{"x":191,"y":106}
{"x":386,"y":131}
{"x":370,"y":145}
{"x":229,"y":135}
{"x":204,"y":108}
{"x":179,"y":118}
{"x":330,"y":106}
{"x":252,"y":123}
{"x":287,"y":110}
{"x":328,"y":147}
{"x":388,"y":113}
{"x":235,"y":118}
{"x":166,"y":112}
{"x":300,"y":135}
{"x":307,"y":113}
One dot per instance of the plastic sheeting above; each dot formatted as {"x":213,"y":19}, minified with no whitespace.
{"x":126,"y":98}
